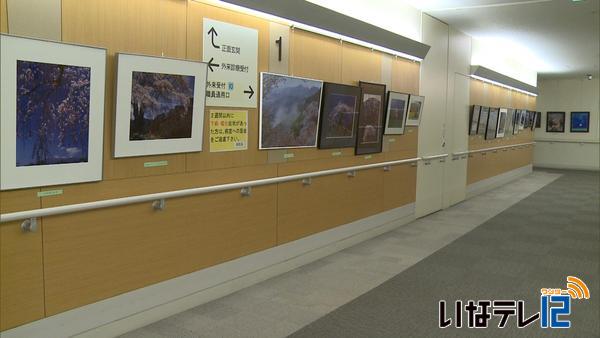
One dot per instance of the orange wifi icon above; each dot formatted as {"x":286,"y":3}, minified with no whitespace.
{"x":577,"y":288}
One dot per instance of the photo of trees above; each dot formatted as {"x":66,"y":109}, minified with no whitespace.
{"x":52,"y":113}
{"x":161,"y":106}
{"x":396,"y":119}
{"x":371,"y":121}
{"x":341,"y":115}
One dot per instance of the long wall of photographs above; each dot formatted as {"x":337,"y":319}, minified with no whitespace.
{"x":85,"y":257}
{"x":489,"y":164}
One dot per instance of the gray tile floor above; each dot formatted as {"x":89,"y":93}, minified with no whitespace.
{"x":284,"y":304}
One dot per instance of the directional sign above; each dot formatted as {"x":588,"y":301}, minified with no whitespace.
{"x":231,"y":52}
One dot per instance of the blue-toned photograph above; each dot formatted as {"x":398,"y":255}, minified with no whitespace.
{"x":289,"y":111}
{"x":580,"y":122}
{"x":53,"y":104}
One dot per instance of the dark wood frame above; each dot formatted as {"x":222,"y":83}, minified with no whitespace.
{"x":329,"y":89}
{"x":475,"y":110}
{"x":548,"y":120}
{"x":373,"y":89}
{"x":490,"y":134}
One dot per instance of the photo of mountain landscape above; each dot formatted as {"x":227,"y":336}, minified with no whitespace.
{"x":289,"y":111}
{"x":161,"y":106}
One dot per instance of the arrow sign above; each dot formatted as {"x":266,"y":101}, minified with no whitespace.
{"x":212,"y":32}
{"x":251,"y":92}
{"x":211,"y":64}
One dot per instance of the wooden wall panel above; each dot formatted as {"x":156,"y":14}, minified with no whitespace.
{"x":132,"y":27}
{"x":93,"y":255}
{"x":3,"y":17}
{"x":21,"y":269}
{"x":360,"y":63}
{"x":316,"y":57}
{"x":480,"y":166}
{"x":328,"y":202}
{"x":399,"y":186}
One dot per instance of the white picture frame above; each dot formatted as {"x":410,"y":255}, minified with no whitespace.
{"x":264,"y":141}
{"x":396,"y":97}
{"x":49,"y":76}
{"x":415,"y":110}
{"x":149,"y":133}
{"x":502,"y":122}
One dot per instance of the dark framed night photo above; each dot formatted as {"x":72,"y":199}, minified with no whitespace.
{"x":370,"y":118}
{"x":338,"y":122}
{"x":492,"y":124}
{"x":555,"y":122}
{"x":474,"y":119}
{"x":580,"y":122}
{"x":483,"y":119}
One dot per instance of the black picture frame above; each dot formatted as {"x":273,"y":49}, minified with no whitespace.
{"x":335,"y":97}
{"x":579,"y":129}
{"x":474,"y":119}
{"x":492,"y":124}
{"x":555,"y":122}
{"x":371,"y":117}
{"x":483,"y":117}
{"x":538,"y":119}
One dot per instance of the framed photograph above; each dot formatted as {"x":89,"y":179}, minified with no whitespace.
{"x":483,"y":119}
{"x":580,"y":122}
{"x":502,"y":118}
{"x":522,"y":118}
{"x":474,"y":119}
{"x":509,"y":121}
{"x":370,"y":118}
{"x":397,"y":107}
{"x":51,"y":112}
{"x":533,"y":120}
{"x":516,"y":121}
{"x":289,"y":111}
{"x":415,"y":109}
{"x":555,"y":122}
{"x":159,"y":105}
{"x":338,"y":122}
{"x":492,"y":124}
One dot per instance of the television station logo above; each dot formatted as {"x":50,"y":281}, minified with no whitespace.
{"x":555,"y":307}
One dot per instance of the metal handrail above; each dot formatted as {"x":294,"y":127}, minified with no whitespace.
{"x":429,"y":158}
{"x":491,"y":149}
{"x":569,"y":141}
{"x":31,"y":215}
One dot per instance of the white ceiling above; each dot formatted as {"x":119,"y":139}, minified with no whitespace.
{"x":560,"y":37}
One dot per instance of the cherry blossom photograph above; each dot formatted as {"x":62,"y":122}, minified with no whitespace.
{"x":53,"y":103}
{"x":161,"y":106}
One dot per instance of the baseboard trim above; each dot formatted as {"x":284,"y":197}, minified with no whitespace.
{"x":487,"y":184}
{"x":135,"y":309}
{"x":566,"y":166}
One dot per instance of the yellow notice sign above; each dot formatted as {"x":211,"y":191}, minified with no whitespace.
{"x":228,"y":130}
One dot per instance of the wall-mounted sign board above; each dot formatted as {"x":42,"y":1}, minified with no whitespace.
{"x":231,"y":52}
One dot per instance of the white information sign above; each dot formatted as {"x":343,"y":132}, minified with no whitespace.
{"x":231,"y":52}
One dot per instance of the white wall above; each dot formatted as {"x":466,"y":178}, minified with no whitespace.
{"x":457,"y":116}
{"x":432,"y":85}
{"x":568,"y":150}
{"x":516,"y":64}
{"x":394,"y":16}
